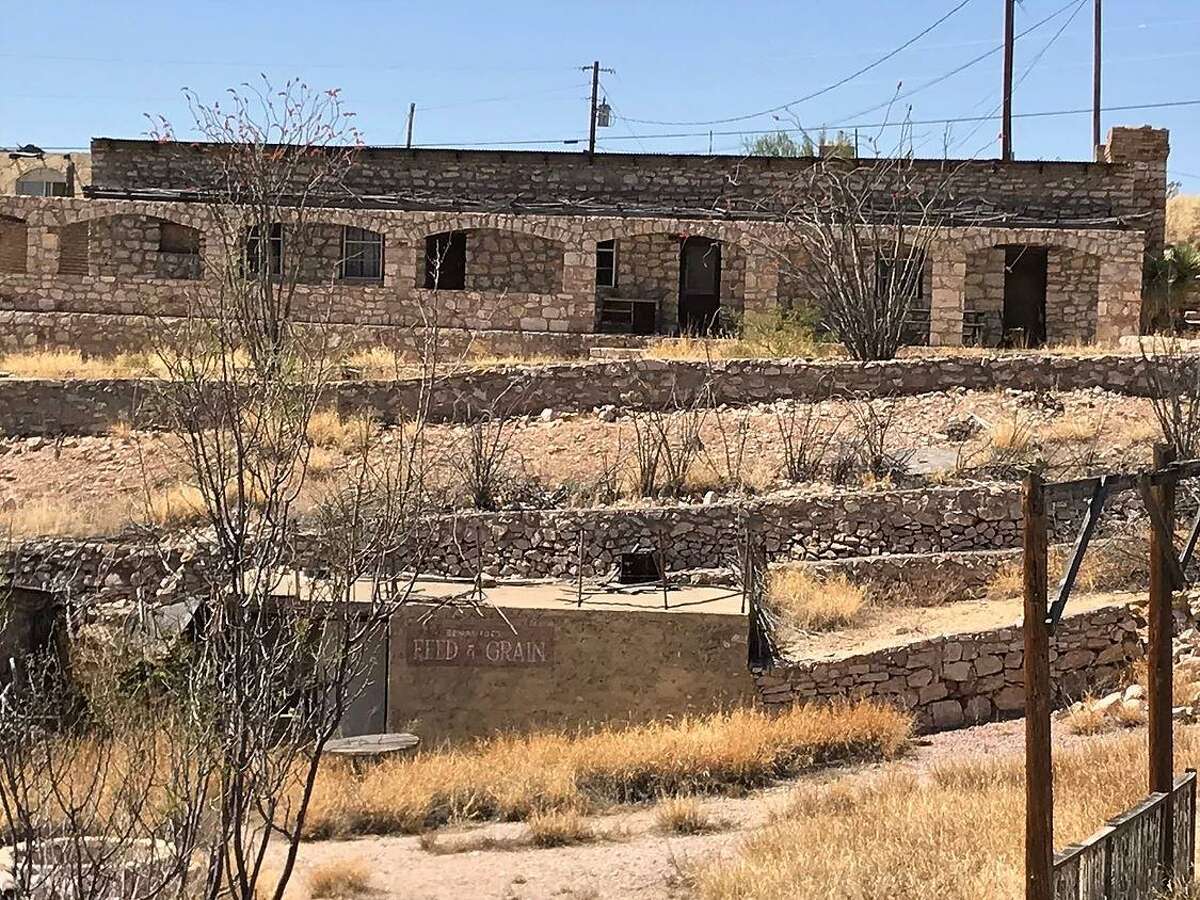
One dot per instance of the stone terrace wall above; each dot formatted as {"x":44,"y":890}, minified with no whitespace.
{"x":98,"y":334}
{"x":966,"y":678}
{"x":32,"y":407}
{"x":545,"y":544}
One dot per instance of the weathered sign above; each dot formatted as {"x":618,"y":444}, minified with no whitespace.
{"x":478,"y":645}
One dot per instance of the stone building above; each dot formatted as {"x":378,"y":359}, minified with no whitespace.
{"x":551,"y":251}
{"x":31,"y":171}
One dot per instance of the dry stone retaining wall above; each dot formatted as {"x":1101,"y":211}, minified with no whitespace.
{"x":33,"y":407}
{"x":966,"y":678}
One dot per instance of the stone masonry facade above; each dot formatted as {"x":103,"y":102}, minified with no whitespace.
{"x":105,"y":265}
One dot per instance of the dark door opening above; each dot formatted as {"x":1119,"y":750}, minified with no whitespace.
{"x":699,"y":285}
{"x":1024,"y":296}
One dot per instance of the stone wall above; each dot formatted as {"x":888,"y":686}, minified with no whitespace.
{"x":503,"y":261}
{"x":966,"y":678}
{"x":1072,"y":279}
{"x":545,"y":543}
{"x":32,"y":407}
{"x":524,"y":272}
{"x":1124,"y":184}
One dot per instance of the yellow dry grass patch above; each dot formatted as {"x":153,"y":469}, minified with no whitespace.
{"x":176,"y":505}
{"x":516,"y":777}
{"x":339,"y":879}
{"x":559,"y":828}
{"x":1108,"y":565}
{"x":684,"y":815}
{"x":1183,"y":219}
{"x":1013,"y":435}
{"x":327,"y":428}
{"x":814,"y":603}
{"x":53,"y":518}
{"x":956,"y":833}
{"x":61,"y":364}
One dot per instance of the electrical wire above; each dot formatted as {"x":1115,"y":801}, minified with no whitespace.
{"x":825,"y":90}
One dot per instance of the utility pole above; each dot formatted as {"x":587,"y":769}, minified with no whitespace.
{"x":1039,"y":778}
{"x":1159,"y":654}
{"x":593,"y":109}
{"x":1096,"y":82}
{"x":412,"y":112}
{"x":1006,"y":151}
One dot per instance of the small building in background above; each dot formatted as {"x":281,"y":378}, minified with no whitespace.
{"x":29,"y":171}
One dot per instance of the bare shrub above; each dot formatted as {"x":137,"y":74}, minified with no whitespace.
{"x":483,"y":460}
{"x":874,"y":422}
{"x":805,"y":441}
{"x":856,"y":237}
{"x":667,"y":445}
{"x":1173,"y":376}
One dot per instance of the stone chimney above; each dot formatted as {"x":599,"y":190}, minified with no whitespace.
{"x":1145,"y":151}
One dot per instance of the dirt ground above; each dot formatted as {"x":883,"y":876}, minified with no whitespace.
{"x":98,"y":484}
{"x":635,"y":860}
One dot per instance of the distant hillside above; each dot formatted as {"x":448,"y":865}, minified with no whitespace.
{"x":1183,"y":219}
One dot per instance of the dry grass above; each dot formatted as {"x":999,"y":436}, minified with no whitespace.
{"x":685,"y":815}
{"x":955,"y":834}
{"x":52,"y":518}
{"x":61,"y":364}
{"x":1013,"y":436}
{"x":811,"y":603}
{"x":1108,"y":565}
{"x":328,"y":429}
{"x":1183,"y":219}
{"x":559,"y":828}
{"x":175,"y":506}
{"x":339,"y":879}
{"x":1075,"y":429}
{"x":516,"y":777}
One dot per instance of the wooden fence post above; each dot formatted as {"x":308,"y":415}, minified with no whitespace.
{"x":1039,"y":788}
{"x":1159,"y":658}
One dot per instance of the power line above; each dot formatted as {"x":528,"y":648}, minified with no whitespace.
{"x":910,"y":122}
{"x":1041,"y":114}
{"x":902,"y":95}
{"x":825,"y":90}
{"x":1032,"y":65}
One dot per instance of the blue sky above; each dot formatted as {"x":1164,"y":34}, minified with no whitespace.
{"x":508,"y":72}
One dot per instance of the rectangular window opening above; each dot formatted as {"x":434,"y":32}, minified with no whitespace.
{"x":273,"y":252}
{"x":446,"y":261}
{"x":606,"y":264}
{"x":362,"y":254}
{"x":900,"y":277}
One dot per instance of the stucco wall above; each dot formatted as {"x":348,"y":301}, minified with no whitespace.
{"x":591,"y":666}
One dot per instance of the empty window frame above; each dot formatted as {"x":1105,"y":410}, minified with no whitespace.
{"x":272,"y":253}
{"x":173,"y":238}
{"x":446,"y":261}
{"x":606,"y":264}
{"x":900,"y":277}
{"x":362,"y":254}
{"x":43,"y":183}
